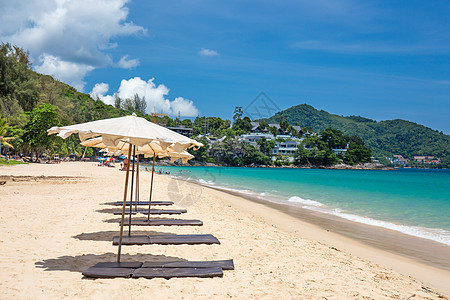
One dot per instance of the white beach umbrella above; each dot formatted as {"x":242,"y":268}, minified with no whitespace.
{"x":134,"y":131}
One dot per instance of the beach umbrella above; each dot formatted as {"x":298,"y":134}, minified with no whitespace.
{"x":135,"y":131}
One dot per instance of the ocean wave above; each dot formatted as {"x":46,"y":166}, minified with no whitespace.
{"x":437,"y":235}
{"x":305,"y":202}
{"x":208,"y":182}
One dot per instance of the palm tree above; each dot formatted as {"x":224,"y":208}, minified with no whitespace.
{"x":4,"y":140}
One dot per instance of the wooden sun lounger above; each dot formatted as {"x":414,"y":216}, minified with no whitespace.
{"x":154,"y":211}
{"x":167,"y":239}
{"x":164,"y":269}
{"x":224,"y":264}
{"x":177,"y":272}
{"x":150,"y":273}
{"x":164,"y":222}
{"x":119,"y":203}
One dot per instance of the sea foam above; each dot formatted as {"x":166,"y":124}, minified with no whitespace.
{"x":437,"y":235}
{"x":304,"y":202}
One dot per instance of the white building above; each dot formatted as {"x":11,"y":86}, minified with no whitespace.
{"x":284,"y":144}
{"x":287,"y":147}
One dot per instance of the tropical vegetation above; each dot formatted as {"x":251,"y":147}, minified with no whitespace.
{"x":384,"y":138}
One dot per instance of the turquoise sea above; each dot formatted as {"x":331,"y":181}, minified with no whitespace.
{"x":412,"y":201}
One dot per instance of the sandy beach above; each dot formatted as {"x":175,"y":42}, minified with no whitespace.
{"x":55,"y":223}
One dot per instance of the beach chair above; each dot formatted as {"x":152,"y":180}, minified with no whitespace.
{"x":159,"y":269}
{"x":163,"y":222}
{"x":153,"y":211}
{"x":167,"y":239}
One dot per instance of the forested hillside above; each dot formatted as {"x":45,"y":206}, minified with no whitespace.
{"x":31,"y":103}
{"x":385,"y":138}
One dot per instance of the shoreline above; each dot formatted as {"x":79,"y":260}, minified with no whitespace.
{"x":371,"y":166}
{"x":407,"y":254}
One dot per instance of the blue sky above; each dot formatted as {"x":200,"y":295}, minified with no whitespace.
{"x":378,"y":59}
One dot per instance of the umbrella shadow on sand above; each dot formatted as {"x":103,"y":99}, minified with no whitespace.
{"x":107,"y":236}
{"x":81,"y":263}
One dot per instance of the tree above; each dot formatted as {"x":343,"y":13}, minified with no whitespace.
{"x":284,"y":124}
{"x":237,"y":115}
{"x":314,"y":151}
{"x":3,"y":131}
{"x":241,"y":125}
{"x":357,"y":152}
{"x":117,"y":101}
{"x":139,"y":104}
{"x":17,"y":81}
{"x":266,"y":145}
{"x":246,"y":124}
{"x":273,"y":130}
{"x":41,"y":118}
{"x":334,"y":138}
{"x":252,"y":156}
{"x":201,"y":154}
{"x":128,"y":104}
{"x":263,"y":125}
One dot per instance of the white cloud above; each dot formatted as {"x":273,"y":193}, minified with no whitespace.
{"x":208,"y":52}
{"x":99,"y":90}
{"x":127,"y":63}
{"x":155,"y":95}
{"x":71,"y":73}
{"x":77,"y":33}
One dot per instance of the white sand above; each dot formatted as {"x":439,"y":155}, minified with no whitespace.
{"x":53,"y":229}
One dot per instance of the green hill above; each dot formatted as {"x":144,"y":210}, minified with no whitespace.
{"x":24,"y":92}
{"x":385,"y":138}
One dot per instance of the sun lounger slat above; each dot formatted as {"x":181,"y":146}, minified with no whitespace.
{"x":129,"y":265}
{"x":132,"y":240}
{"x":145,"y":203}
{"x":154,"y":211}
{"x":190,"y":239}
{"x":95,"y":272}
{"x":224,"y":264}
{"x":164,"y":222}
{"x":177,"y":272}
{"x":170,"y":239}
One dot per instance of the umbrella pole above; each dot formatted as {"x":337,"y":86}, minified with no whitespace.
{"x":137,"y":184}
{"x":131,"y":196}
{"x":125,"y":191}
{"x":151,"y":187}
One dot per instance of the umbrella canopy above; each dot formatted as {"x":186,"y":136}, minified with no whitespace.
{"x":132,"y":129}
